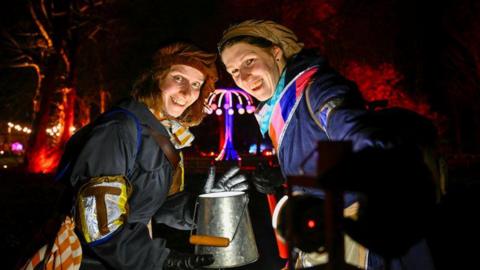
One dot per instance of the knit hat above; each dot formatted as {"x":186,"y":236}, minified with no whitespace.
{"x":269,"y":30}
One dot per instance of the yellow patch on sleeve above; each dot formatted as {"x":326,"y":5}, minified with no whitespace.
{"x":102,"y":206}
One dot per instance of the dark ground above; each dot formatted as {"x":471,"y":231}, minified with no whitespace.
{"x":27,"y":202}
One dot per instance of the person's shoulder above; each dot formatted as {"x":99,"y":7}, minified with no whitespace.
{"x":120,"y":117}
{"x":308,"y":57}
{"x":304,"y":60}
{"x":116,"y":124}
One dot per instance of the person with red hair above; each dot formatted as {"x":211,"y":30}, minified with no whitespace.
{"x":125,"y":170}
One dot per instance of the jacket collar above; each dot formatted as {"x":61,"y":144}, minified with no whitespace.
{"x":301,"y":61}
{"x":296,"y":64}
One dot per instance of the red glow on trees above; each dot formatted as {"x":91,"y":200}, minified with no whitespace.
{"x":382,"y":83}
{"x":47,"y":157}
{"x":315,"y":21}
{"x":67,"y":117}
{"x":45,"y":160}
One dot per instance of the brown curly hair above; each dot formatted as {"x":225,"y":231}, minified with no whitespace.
{"x":146,"y":89}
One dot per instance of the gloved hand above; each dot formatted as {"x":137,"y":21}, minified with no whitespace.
{"x":230,"y":181}
{"x":267,"y":179}
{"x":182,"y":261}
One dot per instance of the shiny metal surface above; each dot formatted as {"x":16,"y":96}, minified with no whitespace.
{"x":115,"y":209}
{"x":225,"y":214}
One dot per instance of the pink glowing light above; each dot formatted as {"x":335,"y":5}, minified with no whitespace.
{"x":17,"y":147}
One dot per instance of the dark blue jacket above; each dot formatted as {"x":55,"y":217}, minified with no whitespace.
{"x":347,"y":119}
{"x":109,"y":147}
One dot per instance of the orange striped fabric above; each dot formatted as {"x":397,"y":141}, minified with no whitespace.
{"x":65,"y":253}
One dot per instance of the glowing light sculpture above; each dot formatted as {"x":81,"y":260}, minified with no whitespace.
{"x":223,"y":101}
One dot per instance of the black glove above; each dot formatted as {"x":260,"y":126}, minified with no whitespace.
{"x":230,"y":181}
{"x":176,"y":212}
{"x":182,"y":261}
{"x":267,"y":179}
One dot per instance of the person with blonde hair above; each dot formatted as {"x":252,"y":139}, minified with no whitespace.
{"x":303,"y":100}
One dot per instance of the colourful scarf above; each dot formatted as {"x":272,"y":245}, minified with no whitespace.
{"x":275,"y":114}
{"x":264,"y":114}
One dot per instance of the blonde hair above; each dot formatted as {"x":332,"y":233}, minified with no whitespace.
{"x":147,"y":87}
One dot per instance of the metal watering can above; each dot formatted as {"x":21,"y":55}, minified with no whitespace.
{"x":224,"y":229}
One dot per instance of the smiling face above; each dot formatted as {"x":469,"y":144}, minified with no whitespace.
{"x":254,"y":69}
{"x":180,"y":88}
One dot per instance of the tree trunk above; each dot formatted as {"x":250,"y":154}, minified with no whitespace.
{"x":39,"y":157}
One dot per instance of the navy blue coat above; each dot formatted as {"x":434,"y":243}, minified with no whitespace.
{"x":348,"y":120}
{"x":108,"y":147}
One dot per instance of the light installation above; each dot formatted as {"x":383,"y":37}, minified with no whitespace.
{"x":227,"y":102}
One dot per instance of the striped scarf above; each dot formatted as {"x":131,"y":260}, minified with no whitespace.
{"x":65,"y":252}
{"x":281,"y":111}
{"x":180,"y":136}
{"x":264,"y":114}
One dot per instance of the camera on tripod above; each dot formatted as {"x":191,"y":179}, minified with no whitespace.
{"x":309,"y":218}
{"x":300,"y":218}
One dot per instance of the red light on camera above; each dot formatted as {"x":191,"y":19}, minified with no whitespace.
{"x":311,"y":224}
